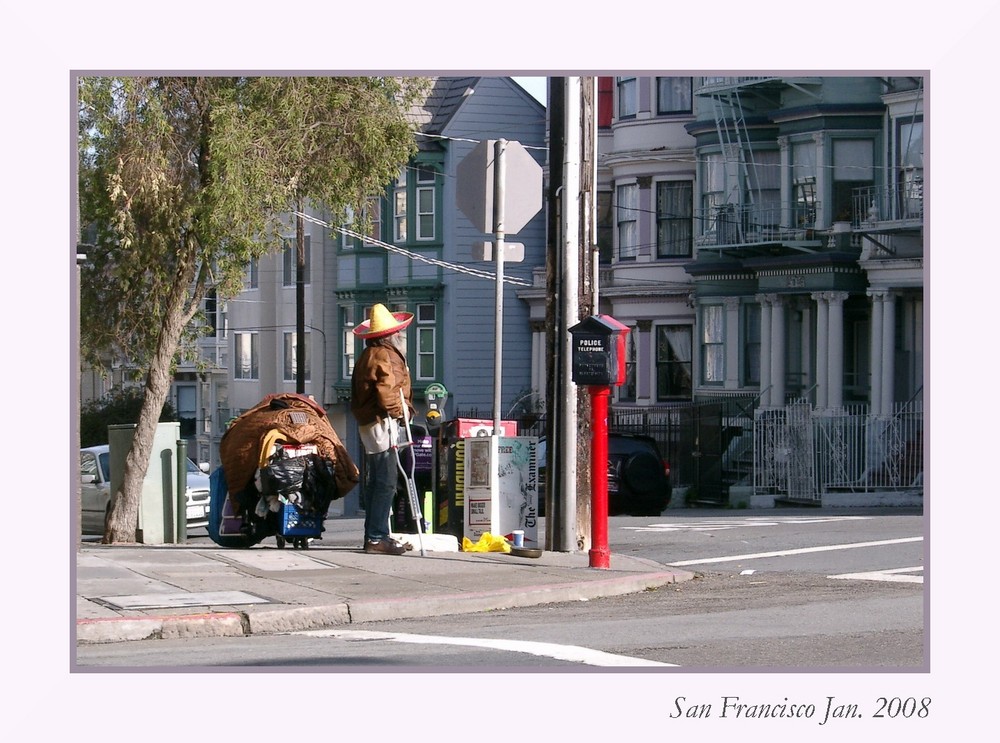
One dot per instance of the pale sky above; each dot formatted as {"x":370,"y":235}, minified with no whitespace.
{"x":534,"y":85}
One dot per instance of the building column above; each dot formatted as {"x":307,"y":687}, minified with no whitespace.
{"x":645,"y":362}
{"x":875,"y":374}
{"x":778,"y":350}
{"x":539,"y":373}
{"x":785,"y":154}
{"x":835,"y":344}
{"x":822,"y":354}
{"x":888,"y":391}
{"x":732,"y":305}
{"x":806,"y":344}
{"x":824,"y":184}
{"x":765,"y":350}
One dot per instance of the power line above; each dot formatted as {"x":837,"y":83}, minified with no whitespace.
{"x":478,"y":273}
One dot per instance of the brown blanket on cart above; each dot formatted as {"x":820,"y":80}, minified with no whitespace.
{"x":300,"y":421}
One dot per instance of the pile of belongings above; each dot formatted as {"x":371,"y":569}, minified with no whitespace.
{"x":282,"y":451}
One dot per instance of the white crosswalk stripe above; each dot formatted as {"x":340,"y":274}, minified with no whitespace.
{"x":895,"y":575}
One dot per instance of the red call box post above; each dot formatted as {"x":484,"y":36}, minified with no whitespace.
{"x":599,"y":363}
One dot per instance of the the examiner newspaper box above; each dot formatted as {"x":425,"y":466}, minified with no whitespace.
{"x":500,"y":484}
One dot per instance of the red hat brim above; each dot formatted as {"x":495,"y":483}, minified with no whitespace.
{"x":403,"y":319}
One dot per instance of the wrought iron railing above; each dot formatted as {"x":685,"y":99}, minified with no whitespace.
{"x":901,"y":202}
{"x":749,"y":224}
{"x":802,"y":453}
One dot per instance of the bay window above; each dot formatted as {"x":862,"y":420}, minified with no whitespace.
{"x":673,"y":95}
{"x":674,"y":202}
{"x":713,"y":340}
{"x":673,"y":362}
{"x":628,"y":227}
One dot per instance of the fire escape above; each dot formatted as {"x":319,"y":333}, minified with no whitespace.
{"x":742,"y":221}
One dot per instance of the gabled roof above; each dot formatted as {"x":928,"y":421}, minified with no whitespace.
{"x":443,"y":100}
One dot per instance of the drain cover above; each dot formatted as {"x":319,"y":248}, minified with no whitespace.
{"x":179,"y":600}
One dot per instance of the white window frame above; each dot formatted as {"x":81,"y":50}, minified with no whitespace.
{"x":627,"y":97}
{"x":664,"y":250}
{"x":424,"y":215}
{"x":676,"y":84}
{"x":253,"y":350}
{"x":426,"y":327}
{"x":350,"y":341}
{"x":627,"y":220}
{"x":399,"y":210}
{"x":713,"y":344}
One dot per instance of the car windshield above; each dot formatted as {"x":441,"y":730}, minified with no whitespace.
{"x":105,"y":460}
{"x":192,"y":467}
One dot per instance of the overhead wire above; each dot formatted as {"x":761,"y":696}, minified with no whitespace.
{"x":456,"y":267}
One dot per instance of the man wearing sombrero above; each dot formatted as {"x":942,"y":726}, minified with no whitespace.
{"x":379,"y":375}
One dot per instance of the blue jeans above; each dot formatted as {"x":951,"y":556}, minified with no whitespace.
{"x":377,"y":490}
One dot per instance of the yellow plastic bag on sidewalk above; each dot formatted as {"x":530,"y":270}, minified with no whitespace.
{"x":487,"y":543}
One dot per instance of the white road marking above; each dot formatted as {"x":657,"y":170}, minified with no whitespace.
{"x":802,"y":551}
{"x":723,"y":524}
{"x":887,"y":576}
{"x":571,"y":653}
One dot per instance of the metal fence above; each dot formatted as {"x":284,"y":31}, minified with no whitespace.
{"x":794,"y":452}
{"x":801,"y":453}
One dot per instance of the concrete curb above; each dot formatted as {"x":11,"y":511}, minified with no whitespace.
{"x":294,"y":619}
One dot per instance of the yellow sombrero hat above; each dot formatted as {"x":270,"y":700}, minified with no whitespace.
{"x":383,"y":323}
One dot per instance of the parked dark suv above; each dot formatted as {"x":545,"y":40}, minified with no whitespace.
{"x":638,"y":475}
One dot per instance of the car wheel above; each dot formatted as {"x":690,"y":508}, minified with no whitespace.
{"x":642,"y":473}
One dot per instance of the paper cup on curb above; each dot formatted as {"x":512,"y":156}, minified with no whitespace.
{"x":518,"y":537}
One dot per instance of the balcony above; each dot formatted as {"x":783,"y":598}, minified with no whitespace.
{"x":899,"y":206}
{"x":719,"y":84}
{"x":731,"y":225}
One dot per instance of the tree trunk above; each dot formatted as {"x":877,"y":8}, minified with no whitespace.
{"x":124,"y":518}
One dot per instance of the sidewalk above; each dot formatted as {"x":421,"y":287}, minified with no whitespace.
{"x":198,"y":589}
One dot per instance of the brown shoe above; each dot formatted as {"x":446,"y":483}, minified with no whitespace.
{"x":384,"y":547}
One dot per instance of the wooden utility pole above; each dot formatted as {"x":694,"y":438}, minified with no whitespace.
{"x":300,"y":302}
{"x":586,"y":292}
{"x":571,"y":289}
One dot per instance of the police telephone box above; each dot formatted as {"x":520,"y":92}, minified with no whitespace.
{"x":599,"y":351}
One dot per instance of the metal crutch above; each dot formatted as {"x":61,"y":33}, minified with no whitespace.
{"x":411,"y":486}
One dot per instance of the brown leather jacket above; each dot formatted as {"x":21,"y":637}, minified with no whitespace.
{"x":379,"y":375}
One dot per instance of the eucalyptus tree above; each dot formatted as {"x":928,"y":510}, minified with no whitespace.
{"x":184,"y":180}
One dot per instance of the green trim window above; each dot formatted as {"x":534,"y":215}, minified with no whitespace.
{"x":399,"y":209}
{"x":426,"y":330}
{"x":853,"y":168}
{"x":804,"y":184}
{"x":426,"y":198}
{"x":373,"y":217}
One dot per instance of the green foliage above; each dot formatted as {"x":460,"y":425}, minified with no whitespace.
{"x":119,"y":406}
{"x":182,"y":180}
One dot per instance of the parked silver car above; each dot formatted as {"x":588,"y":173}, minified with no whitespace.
{"x":95,"y":491}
